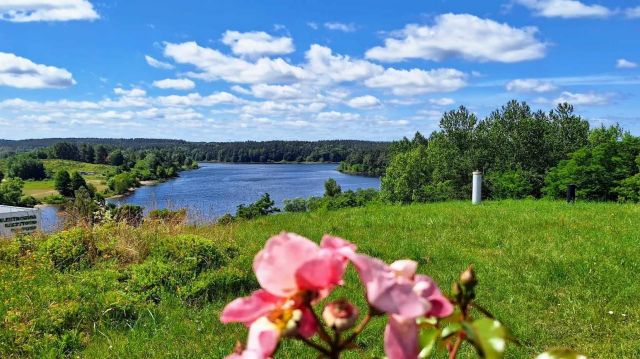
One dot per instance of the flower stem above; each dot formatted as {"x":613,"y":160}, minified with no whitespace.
{"x":357,"y":330}
{"x":454,"y":351}
{"x":315,"y":346}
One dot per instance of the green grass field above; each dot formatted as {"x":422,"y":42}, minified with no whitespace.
{"x":557,"y":275}
{"x":96,"y":175}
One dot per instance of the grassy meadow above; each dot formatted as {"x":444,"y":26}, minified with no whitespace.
{"x":557,"y":275}
{"x":94,"y":174}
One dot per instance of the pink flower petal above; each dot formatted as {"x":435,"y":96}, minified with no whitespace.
{"x":263,"y":338}
{"x":336,"y":243}
{"x":246,"y":310}
{"x":405,"y":268}
{"x":440,"y":306}
{"x":384,"y":289}
{"x":276,"y":265}
{"x":401,"y":339}
{"x":308,"y":325}
{"x":322,"y":272}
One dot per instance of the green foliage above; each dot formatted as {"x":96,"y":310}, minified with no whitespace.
{"x":262,"y":207}
{"x":509,"y":185}
{"x":168,"y":216}
{"x":66,"y":151}
{"x":331,"y":188}
{"x":116,"y":158}
{"x":598,"y":168}
{"x":1,"y":176}
{"x":295,"y":205}
{"x":121,"y":183}
{"x":26,"y":168}
{"x":62,"y":183}
{"x":407,"y":174}
{"x":128,"y":213}
{"x":68,"y":250}
{"x":628,"y":190}
{"x":11,"y":193}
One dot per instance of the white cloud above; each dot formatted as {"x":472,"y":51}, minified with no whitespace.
{"x":157,"y":63}
{"x":417,"y":81}
{"x":135,"y":92}
{"x":257,"y":43}
{"x":275,"y":92}
{"x":313,"y":25}
{"x":195,"y":99}
{"x":366,"y":101}
{"x":565,"y":8}
{"x":590,"y":98}
{"x":444,"y":101}
{"x":241,"y":90}
{"x":333,"y":116}
{"x":633,"y":12}
{"x":214,"y":65}
{"x":46,"y":10}
{"x":461,"y":35}
{"x":339,"y":26}
{"x":338,"y":68}
{"x":16,"y":71}
{"x":176,"y":84}
{"x":530,"y":85}
{"x":626,"y":64}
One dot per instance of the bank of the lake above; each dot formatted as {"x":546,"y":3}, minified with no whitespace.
{"x":218,"y":188}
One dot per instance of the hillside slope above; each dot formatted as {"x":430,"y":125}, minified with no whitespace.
{"x":551,"y":272}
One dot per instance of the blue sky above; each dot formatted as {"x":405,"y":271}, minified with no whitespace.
{"x":259,"y":70}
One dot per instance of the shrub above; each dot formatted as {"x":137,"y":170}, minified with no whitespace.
{"x":197,"y":253}
{"x":331,"y":188}
{"x":129,"y":214}
{"x":437,"y":192}
{"x":169,"y":216}
{"x":121,"y":183}
{"x":295,"y":205}
{"x":262,"y":207}
{"x":628,"y":189}
{"x":68,"y":250}
{"x":226,"y":219}
{"x":26,"y":168}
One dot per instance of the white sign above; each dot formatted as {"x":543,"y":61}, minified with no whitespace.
{"x":15,"y":220}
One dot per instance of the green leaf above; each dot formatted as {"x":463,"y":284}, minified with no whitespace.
{"x":490,"y":336}
{"x":427,"y":341}
{"x":450,"y":330}
{"x":560,"y":354}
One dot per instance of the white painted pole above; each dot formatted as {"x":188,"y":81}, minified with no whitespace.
{"x":476,"y":191}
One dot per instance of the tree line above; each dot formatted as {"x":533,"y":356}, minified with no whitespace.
{"x":522,"y":154}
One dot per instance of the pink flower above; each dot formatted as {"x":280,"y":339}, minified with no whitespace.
{"x":396,"y":290}
{"x":291,"y":270}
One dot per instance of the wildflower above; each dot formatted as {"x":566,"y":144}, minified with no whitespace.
{"x":292,"y":271}
{"x":397,"y":290}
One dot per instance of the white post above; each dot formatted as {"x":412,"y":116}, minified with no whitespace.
{"x":476,"y":191}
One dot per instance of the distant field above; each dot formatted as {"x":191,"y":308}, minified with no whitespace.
{"x":556,"y":275}
{"x":94,"y":174}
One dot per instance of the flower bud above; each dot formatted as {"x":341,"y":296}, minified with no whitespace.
{"x":340,"y":315}
{"x":468,"y":278}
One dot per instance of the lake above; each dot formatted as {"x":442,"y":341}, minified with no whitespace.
{"x":218,"y":188}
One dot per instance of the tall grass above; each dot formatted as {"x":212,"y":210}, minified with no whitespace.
{"x":557,"y":275}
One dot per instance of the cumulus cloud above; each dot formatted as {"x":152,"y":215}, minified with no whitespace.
{"x":275,"y":92}
{"x":46,"y":10}
{"x":464,"y":36}
{"x":590,"y":98}
{"x":257,"y":43}
{"x":135,"y":92}
{"x":339,"y":26}
{"x":157,"y":63}
{"x":366,"y":101}
{"x":176,"y":84}
{"x":444,"y":101}
{"x":322,"y":62}
{"x":417,"y":81}
{"x":565,"y":8}
{"x":333,"y":116}
{"x":530,"y":85}
{"x":626,"y":64}
{"x":16,"y":71}
{"x":214,"y":65}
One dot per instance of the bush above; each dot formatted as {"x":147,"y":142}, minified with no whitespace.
{"x":129,"y":214}
{"x":226,"y":219}
{"x":121,"y":183}
{"x":197,"y":253}
{"x":26,"y":168}
{"x":295,"y":205}
{"x":68,"y":250}
{"x":262,"y":207}
{"x":331,"y":188}
{"x":628,"y":189}
{"x":437,"y":192}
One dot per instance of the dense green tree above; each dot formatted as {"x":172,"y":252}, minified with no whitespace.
{"x":331,"y":188}
{"x":88,"y":153}
{"x":26,"y":168}
{"x":66,"y":151}
{"x":262,"y":207}
{"x":62,"y":183}
{"x":116,"y":158}
{"x":407,"y":174}
{"x":11,"y":192}
{"x":1,"y":176}
{"x":101,"y":154}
